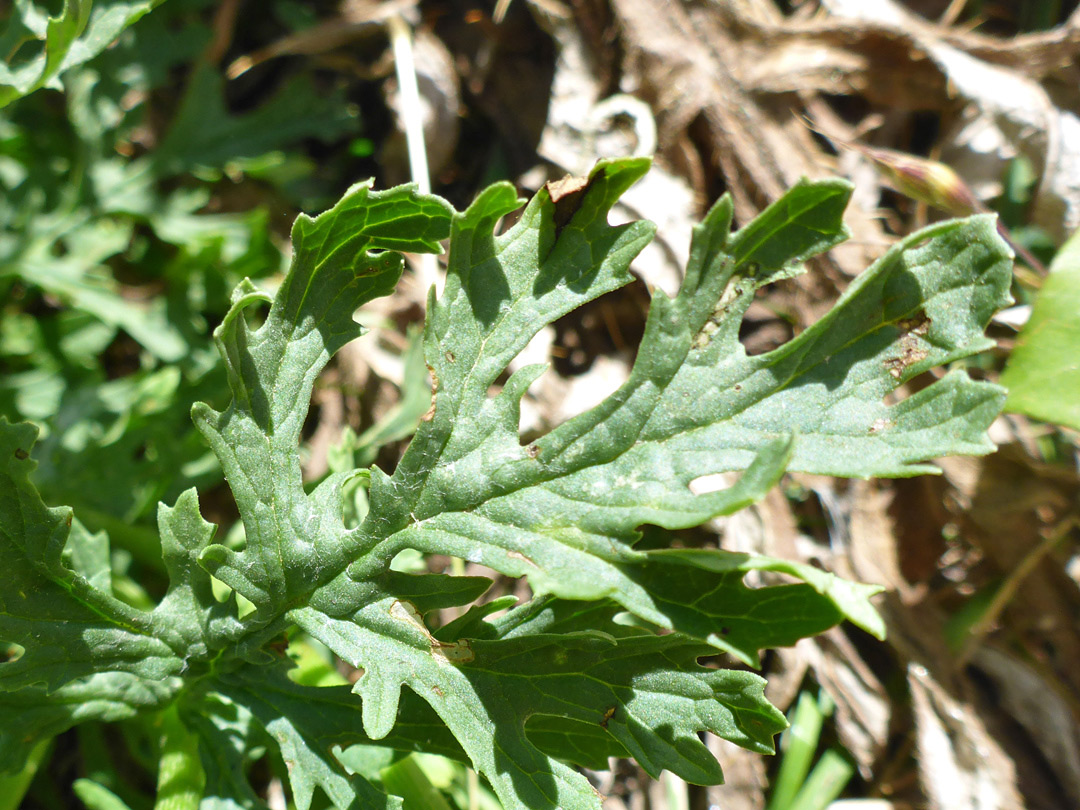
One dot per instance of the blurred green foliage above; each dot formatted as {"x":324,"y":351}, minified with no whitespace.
{"x":113,"y":270}
{"x":122,"y":156}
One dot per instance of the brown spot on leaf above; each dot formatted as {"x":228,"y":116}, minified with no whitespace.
{"x":919,"y":324}
{"x":21,"y":454}
{"x":517,"y":555}
{"x":532,"y":451}
{"x":455,"y":652}
{"x":427,"y":417}
{"x":912,"y":330}
{"x":566,"y":195}
{"x":569,"y":185}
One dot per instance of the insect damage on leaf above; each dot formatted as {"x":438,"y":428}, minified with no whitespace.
{"x":457,"y":652}
{"x":603,"y":659}
{"x":910,"y":345}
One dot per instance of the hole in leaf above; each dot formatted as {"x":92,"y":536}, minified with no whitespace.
{"x":409,"y":561}
{"x":314,"y":663}
{"x":912,"y":386}
{"x":254,"y":314}
{"x":714,"y":482}
{"x":810,"y":513}
{"x":243,"y":606}
{"x":612,"y":324}
{"x":768,"y":322}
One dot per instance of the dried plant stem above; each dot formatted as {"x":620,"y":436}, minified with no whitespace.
{"x":1008,"y":589}
{"x":412,"y":121}
{"x":411,"y":117}
{"x":955,"y":9}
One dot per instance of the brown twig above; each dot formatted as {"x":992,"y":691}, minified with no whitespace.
{"x":1008,"y":589}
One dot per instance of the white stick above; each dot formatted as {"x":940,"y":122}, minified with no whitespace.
{"x":427,"y":270}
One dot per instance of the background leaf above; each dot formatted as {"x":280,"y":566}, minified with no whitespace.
{"x":1043,"y":372}
{"x":81,"y":31}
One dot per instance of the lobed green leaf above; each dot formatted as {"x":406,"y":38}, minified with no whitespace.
{"x":606,"y":659}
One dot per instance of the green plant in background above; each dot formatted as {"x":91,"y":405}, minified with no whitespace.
{"x":39,"y":48}
{"x":1043,"y":372}
{"x":604,"y":659}
{"x":111,"y":271}
{"x":798,"y":786}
